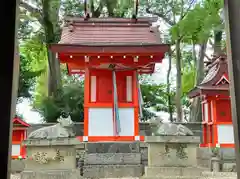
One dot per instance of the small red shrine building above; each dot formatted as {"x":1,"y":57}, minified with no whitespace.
{"x":19,"y":134}
{"x":111,"y":53}
{"x":217,"y":128}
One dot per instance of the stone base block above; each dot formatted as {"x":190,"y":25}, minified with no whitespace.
{"x":219,"y":174}
{"x":173,"y":171}
{"x":17,"y":166}
{"x":195,"y":174}
{"x":188,"y":177}
{"x":114,"y":147}
{"x":112,"y":159}
{"x":51,"y":174}
{"x":112,"y":171}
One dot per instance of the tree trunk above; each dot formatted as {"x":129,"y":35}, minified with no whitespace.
{"x":51,"y":28}
{"x":196,"y":111}
{"x":169,"y":87}
{"x":54,"y":74}
{"x":217,"y":42}
{"x":194,"y":56}
{"x":179,"y":81}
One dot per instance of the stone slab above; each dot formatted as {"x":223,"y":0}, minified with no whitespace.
{"x":173,"y":171}
{"x":174,"y":155}
{"x":112,"y":171}
{"x":219,"y":174}
{"x":17,"y":166}
{"x":187,"y":177}
{"x":53,"y":142}
{"x":113,"y":147}
{"x":51,"y":174}
{"x":112,"y":158}
{"x":67,"y":152}
{"x":144,"y":153}
{"x":143,"y":144}
{"x":172,"y":139}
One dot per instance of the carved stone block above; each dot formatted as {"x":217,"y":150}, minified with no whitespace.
{"x":113,"y":158}
{"x":51,"y":174}
{"x":117,"y":147}
{"x":112,"y":171}
{"x":172,"y":151}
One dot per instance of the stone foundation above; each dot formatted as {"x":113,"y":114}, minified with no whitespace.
{"x":51,"y":174}
{"x":113,"y":165}
{"x":172,"y":156}
{"x":112,"y":171}
{"x":17,"y":166}
{"x":59,"y":159}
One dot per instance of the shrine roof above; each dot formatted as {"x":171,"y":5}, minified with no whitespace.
{"x":19,"y":121}
{"x":216,"y":78}
{"x":108,"y":32}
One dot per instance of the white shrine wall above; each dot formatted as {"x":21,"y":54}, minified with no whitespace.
{"x":225,"y":134}
{"x":100,"y":122}
{"x":16,"y":149}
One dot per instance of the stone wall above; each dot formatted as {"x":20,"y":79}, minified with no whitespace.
{"x":203,"y":154}
{"x":227,"y":155}
{"x":93,"y":148}
{"x":144,"y":128}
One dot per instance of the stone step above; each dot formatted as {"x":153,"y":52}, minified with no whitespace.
{"x":202,"y":175}
{"x":112,"y":171}
{"x":187,"y":177}
{"x":112,"y":159}
{"x":219,"y":174}
{"x":173,"y":171}
{"x":44,"y":174}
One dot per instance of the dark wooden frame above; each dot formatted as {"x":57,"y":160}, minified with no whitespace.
{"x":232,"y":13}
{"x":9,"y":80}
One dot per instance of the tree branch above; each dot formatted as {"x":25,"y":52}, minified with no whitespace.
{"x":169,"y":21}
{"x":98,"y":11}
{"x":211,"y":43}
{"x":34,"y":11}
{"x":189,"y":7}
{"x":207,"y":57}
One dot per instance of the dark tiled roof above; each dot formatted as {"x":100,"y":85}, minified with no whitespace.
{"x":217,"y":69}
{"x":109,"y":31}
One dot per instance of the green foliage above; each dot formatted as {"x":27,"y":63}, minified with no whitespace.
{"x":27,"y":78}
{"x":188,"y":80}
{"x":69,"y":98}
{"x":119,"y":8}
{"x":197,"y":25}
{"x":156,"y":97}
{"x":188,"y":72}
{"x":72,"y":8}
{"x":193,"y":23}
{"x":147,"y":114}
{"x":36,"y":52}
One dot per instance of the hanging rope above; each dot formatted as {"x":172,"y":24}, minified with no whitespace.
{"x":116,"y":120}
{"x":140,"y":99}
{"x":135,"y":14}
{"x":136,"y":8}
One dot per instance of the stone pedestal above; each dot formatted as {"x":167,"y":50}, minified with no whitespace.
{"x":172,"y":156}
{"x":112,"y":160}
{"x":51,"y":159}
{"x":112,"y":165}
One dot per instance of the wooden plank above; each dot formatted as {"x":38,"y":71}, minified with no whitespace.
{"x":232,"y":13}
